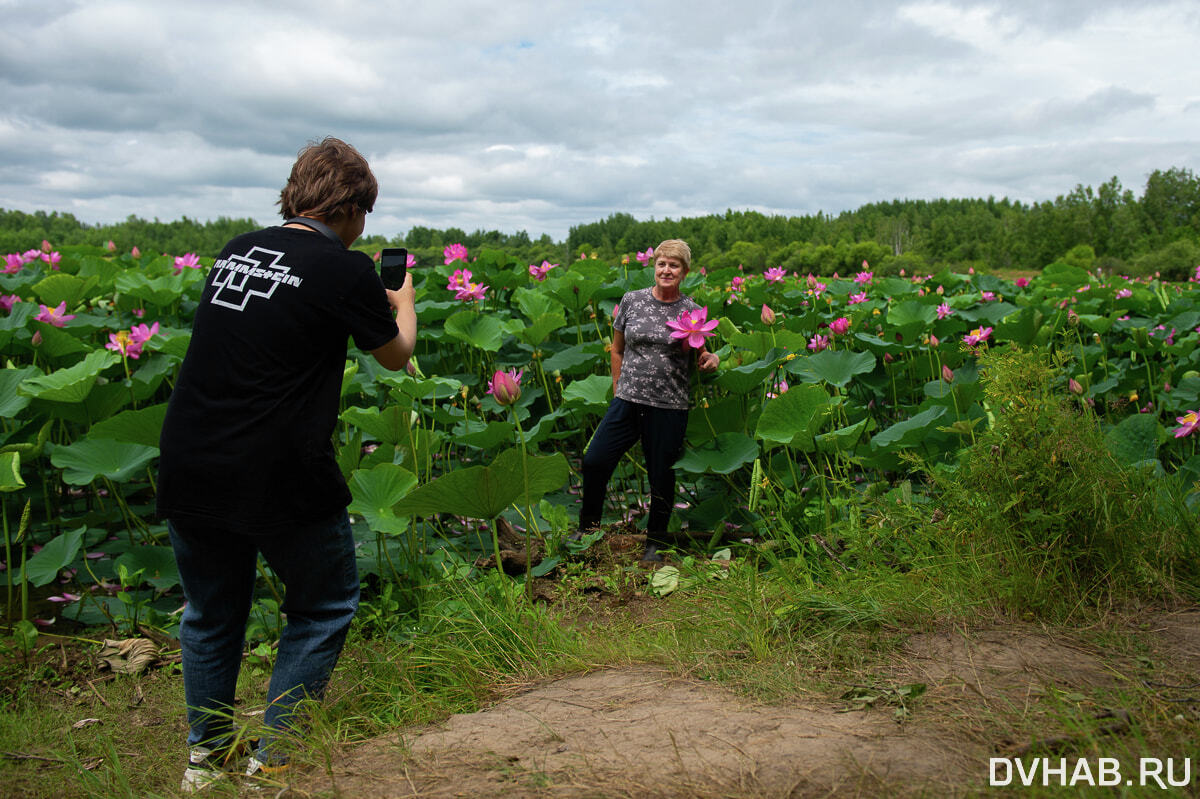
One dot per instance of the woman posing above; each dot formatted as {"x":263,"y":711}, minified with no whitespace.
{"x":650,"y":372}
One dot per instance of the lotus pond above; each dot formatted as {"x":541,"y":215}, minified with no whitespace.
{"x":828,"y":388}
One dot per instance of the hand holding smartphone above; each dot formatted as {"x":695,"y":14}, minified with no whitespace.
{"x":393,"y":265}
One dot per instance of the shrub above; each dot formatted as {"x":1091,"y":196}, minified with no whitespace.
{"x":1040,"y":493}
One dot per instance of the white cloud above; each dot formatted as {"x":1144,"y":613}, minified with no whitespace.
{"x":538,"y":116}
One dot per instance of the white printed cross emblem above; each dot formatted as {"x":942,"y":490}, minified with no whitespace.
{"x":255,"y":274}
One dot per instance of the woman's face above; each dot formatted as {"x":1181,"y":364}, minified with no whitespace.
{"x":668,"y":274}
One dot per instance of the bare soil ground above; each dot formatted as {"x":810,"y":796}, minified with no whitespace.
{"x":644,"y":732}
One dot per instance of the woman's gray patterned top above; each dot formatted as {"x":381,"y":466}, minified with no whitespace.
{"x":656,"y":367}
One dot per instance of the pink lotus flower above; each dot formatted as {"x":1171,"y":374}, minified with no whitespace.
{"x":775,"y":274}
{"x":506,"y":386}
{"x":46,"y":247}
{"x":944,"y":310}
{"x":767,"y":316}
{"x":538,"y":273}
{"x":471,"y":292}
{"x":65,"y":597}
{"x":1123,"y":293}
{"x":863,"y":278}
{"x":693,"y":327}
{"x":110,"y":245}
{"x":737,"y":283}
{"x":780,"y":388}
{"x":454,"y":252}
{"x":855,"y":299}
{"x":7,"y":301}
{"x":135,"y":252}
{"x":818,"y":342}
{"x":1190,"y":421}
{"x":644,"y":257}
{"x":977,"y":336}
{"x":52,"y":258}
{"x":840,"y":326}
{"x":56,"y":316}
{"x":13,"y":263}
{"x":987,"y":296}
{"x":189,"y":261}
{"x":1022,"y":282}
{"x":29,"y":256}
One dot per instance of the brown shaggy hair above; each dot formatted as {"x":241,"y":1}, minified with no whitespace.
{"x":328,"y":180}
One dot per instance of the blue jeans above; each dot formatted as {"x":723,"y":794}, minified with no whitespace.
{"x":661,"y":431}
{"x":316,"y":564}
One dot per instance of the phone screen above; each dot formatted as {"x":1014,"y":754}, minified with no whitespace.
{"x":393,"y":264}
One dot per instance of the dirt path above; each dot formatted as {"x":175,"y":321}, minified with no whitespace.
{"x":642,"y":732}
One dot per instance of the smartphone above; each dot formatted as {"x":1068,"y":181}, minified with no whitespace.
{"x":393,"y":264}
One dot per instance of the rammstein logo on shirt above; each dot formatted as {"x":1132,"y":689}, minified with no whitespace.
{"x":240,"y":277}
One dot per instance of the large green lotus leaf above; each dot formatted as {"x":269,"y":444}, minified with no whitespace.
{"x":589,"y":392}
{"x":388,"y":425}
{"x":13,"y":402}
{"x":541,"y":327}
{"x":479,"y":330}
{"x":58,"y":343}
{"x":743,"y":379}
{"x":61,"y":287}
{"x":896,"y":287}
{"x":727,"y":415}
{"x":843,"y":439}
{"x":536,"y":303}
{"x":795,"y":415}
{"x":134,"y":427}
{"x":484,"y":436}
{"x":908,"y":433}
{"x":724,"y":454}
{"x":911,"y":315}
{"x":1095,"y":322}
{"x":1021,"y":327}
{"x":72,"y":384}
{"x":43,"y":567}
{"x":420,"y":388}
{"x":837,"y":368}
{"x":158,"y":565}
{"x":989,"y":313}
{"x":10,"y":472}
{"x":175,"y":346}
{"x":482,"y":492}
{"x":375,"y":493}
{"x":87,"y":459}
{"x":572,"y":358}
{"x":573,"y":289}
{"x":150,"y":374}
{"x":1134,"y":439}
{"x":160,"y":291}
{"x":1183,"y":322}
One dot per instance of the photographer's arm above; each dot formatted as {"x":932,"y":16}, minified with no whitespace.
{"x":395,"y":354}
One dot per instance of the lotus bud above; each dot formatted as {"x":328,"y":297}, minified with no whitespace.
{"x":1072,"y":318}
{"x":135,"y":252}
{"x":37,"y":338}
{"x":933,"y":340}
{"x":767,"y":316}
{"x":941,"y":290}
{"x":506,"y":386}
{"x":46,"y":246}
{"x":111,"y":246}
{"x":1074,"y":387}
{"x":887,"y":358}
{"x":947,"y":373}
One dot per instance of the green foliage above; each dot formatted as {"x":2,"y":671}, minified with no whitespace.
{"x":1041,"y":492}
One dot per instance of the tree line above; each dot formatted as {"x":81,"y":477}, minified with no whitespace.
{"x":1114,"y":229}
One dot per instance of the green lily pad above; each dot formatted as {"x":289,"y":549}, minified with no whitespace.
{"x":724,"y":454}
{"x":85,"y":460}
{"x":483,"y":492}
{"x":375,"y":493}
{"x":836,"y":368}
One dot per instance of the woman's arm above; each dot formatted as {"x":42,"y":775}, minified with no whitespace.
{"x":618,"y":356}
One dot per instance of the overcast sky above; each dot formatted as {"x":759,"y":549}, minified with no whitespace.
{"x":538,"y":116}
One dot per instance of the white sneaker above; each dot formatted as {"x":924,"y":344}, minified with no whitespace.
{"x":201,"y":771}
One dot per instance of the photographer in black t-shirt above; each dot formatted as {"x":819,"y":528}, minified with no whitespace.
{"x":247,"y":460}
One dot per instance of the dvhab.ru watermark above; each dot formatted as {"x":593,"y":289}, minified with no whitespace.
{"x":1165,"y":773}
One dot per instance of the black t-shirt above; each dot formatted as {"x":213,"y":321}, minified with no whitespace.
{"x":247,"y":441}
